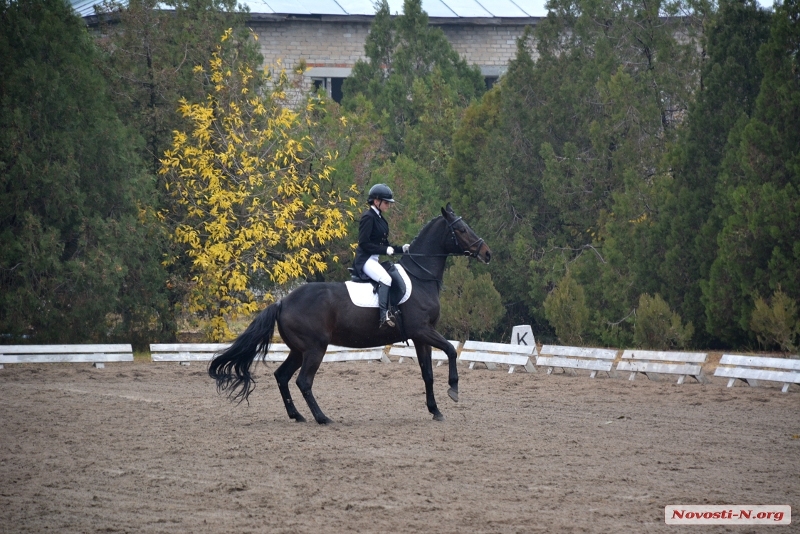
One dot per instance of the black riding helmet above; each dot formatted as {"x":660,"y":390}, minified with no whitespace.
{"x":381,"y":192}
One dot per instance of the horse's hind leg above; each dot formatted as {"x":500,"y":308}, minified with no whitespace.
{"x":312,"y":358}
{"x":283,"y":374}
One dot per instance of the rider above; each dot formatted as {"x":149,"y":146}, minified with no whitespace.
{"x":373,"y":240}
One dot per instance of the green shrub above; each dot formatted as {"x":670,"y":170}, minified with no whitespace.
{"x":776,"y":324}
{"x":565,"y":309}
{"x":470,"y":304}
{"x":658,"y":327}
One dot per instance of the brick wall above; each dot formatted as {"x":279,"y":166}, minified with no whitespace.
{"x":484,"y":45}
{"x":341,"y":43}
{"x":321,"y":44}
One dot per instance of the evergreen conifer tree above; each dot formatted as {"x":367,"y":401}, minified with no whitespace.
{"x":78,"y":261}
{"x":758,"y":198}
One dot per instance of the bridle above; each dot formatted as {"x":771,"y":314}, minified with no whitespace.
{"x":471,"y":251}
{"x":468,"y":251}
{"x":464,"y":251}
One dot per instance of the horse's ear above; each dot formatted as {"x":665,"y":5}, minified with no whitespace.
{"x":448,"y":210}
{"x":444,"y":213}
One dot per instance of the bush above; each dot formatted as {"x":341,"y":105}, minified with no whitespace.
{"x":658,"y":327}
{"x":776,"y":324}
{"x":565,"y":309}
{"x":470,"y":304}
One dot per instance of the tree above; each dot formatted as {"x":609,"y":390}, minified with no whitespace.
{"x":758,"y":198}
{"x":470,"y":304}
{"x":402,"y":52}
{"x":687,"y":225}
{"x":776,"y":323}
{"x":562,"y":162}
{"x":78,"y":262}
{"x":406,"y":100}
{"x":565,"y":308}
{"x":150,"y":48}
{"x":253,"y":198}
{"x":657,"y":327}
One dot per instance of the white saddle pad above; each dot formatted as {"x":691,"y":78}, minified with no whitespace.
{"x":362,"y":295}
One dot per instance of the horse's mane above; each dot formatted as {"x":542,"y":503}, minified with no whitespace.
{"x":425,"y":227}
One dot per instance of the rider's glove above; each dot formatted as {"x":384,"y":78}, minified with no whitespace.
{"x":389,"y":251}
{"x":405,"y":248}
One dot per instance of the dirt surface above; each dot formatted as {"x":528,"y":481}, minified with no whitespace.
{"x":145,"y":447}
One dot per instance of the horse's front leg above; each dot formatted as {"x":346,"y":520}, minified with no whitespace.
{"x":437,"y":340}
{"x":424,"y":359}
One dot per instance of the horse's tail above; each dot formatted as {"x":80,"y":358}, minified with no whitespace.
{"x":231,"y":368}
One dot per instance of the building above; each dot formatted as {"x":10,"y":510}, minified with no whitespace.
{"x":329,"y":35}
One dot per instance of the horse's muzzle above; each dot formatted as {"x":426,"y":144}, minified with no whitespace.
{"x":485,"y":254}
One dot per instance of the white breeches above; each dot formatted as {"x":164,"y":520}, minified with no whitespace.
{"x":375,"y":270}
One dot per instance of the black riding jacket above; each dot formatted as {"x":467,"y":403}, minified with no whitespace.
{"x":373,"y":238}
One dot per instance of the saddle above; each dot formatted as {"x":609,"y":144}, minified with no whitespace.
{"x":397,"y":290}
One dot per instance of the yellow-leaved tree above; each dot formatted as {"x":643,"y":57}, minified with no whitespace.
{"x":251,"y":197}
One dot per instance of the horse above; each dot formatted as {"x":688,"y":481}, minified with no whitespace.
{"x":321,"y":313}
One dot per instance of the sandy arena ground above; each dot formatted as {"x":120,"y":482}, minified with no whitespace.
{"x":144,"y":447}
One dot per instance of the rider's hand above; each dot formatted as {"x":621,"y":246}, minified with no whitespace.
{"x":405,"y":248}
{"x":389,"y":251}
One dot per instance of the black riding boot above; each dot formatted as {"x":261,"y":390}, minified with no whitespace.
{"x":383,"y":303}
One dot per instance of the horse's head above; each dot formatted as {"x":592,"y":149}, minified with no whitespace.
{"x":466,"y":240}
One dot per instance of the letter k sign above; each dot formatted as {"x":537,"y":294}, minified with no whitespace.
{"x":522,"y":335}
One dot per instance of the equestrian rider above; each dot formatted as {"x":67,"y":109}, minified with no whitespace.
{"x":373,"y":240}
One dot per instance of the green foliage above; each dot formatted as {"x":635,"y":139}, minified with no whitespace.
{"x":149,"y":54}
{"x":417,"y":191}
{"x":776,"y":324}
{"x":404,"y":103}
{"x":686,"y":227}
{"x":758,"y":192}
{"x":80,"y":260}
{"x":562,"y":161}
{"x":565,"y":309}
{"x":658,"y":327}
{"x":470,"y":305}
{"x":408,"y":63}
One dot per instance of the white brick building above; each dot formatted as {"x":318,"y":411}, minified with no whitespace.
{"x":330,"y":34}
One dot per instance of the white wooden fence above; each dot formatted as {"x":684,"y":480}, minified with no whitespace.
{"x":98,"y":355}
{"x":403,"y":351}
{"x":573,"y":358}
{"x":652,"y":363}
{"x":491,"y":354}
{"x":189,"y":352}
{"x":751,"y":369}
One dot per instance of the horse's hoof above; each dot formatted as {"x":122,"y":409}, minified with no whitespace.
{"x":438,"y":417}
{"x":453,"y":393}
{"x":325,"y":421}
{"x":299,"y":419}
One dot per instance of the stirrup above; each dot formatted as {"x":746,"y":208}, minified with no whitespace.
{"x":387,"y":320}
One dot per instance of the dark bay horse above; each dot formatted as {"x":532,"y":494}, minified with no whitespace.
{"x":318,"y":314}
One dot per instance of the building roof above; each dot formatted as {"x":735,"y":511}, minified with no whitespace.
{"x":436,"y":9}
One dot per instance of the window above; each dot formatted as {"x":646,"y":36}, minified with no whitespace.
{"x":331,"y":86}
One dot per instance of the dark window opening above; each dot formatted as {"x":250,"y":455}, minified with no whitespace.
{"x":336,"y":89}
{"x":331,"y":86}
{"x":490,"y":81}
